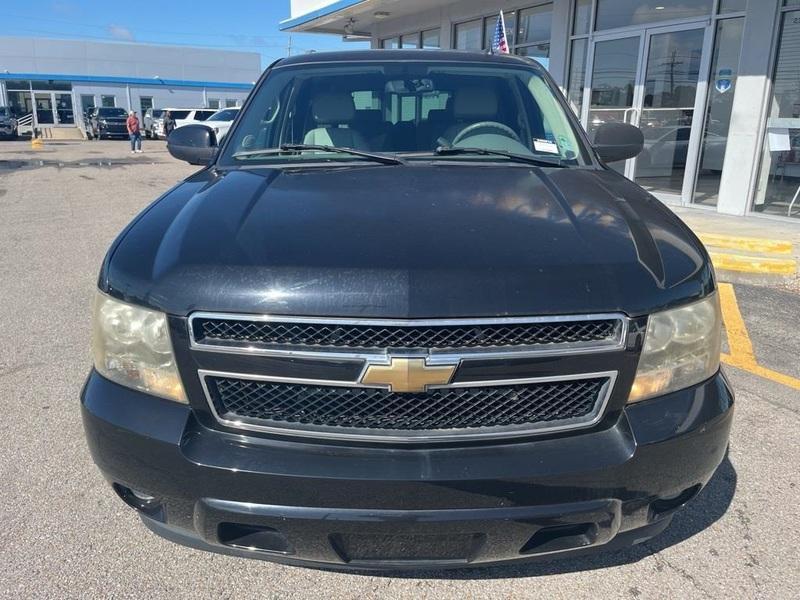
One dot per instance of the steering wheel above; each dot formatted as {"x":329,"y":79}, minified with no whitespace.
{"x":504,"y":129}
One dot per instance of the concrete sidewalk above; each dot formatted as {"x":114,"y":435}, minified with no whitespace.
{"x":748,"y":249}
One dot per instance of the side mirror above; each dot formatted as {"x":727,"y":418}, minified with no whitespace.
{"x":618,"y":141}
{"x":196,"y":144}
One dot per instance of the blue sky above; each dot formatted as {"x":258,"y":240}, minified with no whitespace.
{"x":250,"y":25}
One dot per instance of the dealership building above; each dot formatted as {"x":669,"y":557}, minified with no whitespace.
{"x":63,"y":78}
{"x":714,"y":84}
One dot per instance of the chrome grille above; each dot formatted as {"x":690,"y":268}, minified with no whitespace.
{"x":328,"y":394}
{"x":338,"y":334}
{"x":280,"y":404}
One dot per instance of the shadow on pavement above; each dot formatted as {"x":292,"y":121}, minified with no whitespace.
{"x":704,"y":510}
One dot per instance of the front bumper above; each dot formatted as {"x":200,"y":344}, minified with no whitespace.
{"x":113,"y":131}
{"x":377,"y":507}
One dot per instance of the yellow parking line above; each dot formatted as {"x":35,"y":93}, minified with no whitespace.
{"x":738,"y":339}
{"x":753,"y":264}
{"x":746,"y":243}
{"x":742,"y":355}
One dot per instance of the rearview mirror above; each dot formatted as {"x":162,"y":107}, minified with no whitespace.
{"x":196,"y":144}
{"x":618,"y":141}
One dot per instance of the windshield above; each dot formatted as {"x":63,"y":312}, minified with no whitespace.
{"x":5,"y":111}
{"x":157,"y":112}
{"x":408,"y":108}
{"x":112,"y":112}
{"x":224,"y":115}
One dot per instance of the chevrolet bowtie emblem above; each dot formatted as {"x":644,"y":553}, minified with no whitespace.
{"x":408,"y":375}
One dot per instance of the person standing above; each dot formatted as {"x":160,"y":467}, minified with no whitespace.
{"x":134,"y":132}
{"x":169,"y":124}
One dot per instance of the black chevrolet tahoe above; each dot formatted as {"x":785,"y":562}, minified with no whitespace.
{"x":406,"y":316}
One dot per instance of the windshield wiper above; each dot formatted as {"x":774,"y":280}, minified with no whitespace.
{"x":295,"y":148}
{"x":534,"y":160}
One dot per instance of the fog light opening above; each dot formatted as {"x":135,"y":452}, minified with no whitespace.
{"x":141,"y":501}
{"x":664,"y":506}
{"x":561,"y":537}
{"x":254,"y":538}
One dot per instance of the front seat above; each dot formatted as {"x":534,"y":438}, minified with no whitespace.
{"x":333,"y":114}
{"x":472,"y":105}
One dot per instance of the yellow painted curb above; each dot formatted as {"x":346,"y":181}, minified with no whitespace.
{"x":752,"y":264}
{"x":747,"y":244}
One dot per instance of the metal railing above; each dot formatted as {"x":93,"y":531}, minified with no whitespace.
{"x":25,"y":123}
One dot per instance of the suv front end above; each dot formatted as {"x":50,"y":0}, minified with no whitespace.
{"x":262,"y":464}
{"x":491,"y":360}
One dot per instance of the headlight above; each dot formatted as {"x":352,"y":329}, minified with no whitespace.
{"x":132,"y":347}
{"x":681,"y":349}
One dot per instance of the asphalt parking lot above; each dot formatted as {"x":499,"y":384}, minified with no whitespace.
{"x":65,"y":534}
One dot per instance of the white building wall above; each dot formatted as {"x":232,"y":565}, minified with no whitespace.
{"x":71,"y":57}
{"x":162,"y":97}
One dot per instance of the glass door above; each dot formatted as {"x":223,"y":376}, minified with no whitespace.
{"x":671,"y":89}
{"x":612,"y":85}
{"x":44,"y":108}
{"x":656,"y":80}
{"x":64,"y":112}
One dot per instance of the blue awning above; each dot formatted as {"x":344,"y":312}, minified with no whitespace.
{"x":127,"y":80}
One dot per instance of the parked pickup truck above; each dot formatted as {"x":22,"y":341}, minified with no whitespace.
{"x":406,"y":316}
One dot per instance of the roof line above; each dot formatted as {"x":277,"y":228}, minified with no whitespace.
{"x":158,"y":82}
{"x":325,"y":11}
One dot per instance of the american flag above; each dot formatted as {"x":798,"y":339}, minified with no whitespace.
{"x":499,"y":42}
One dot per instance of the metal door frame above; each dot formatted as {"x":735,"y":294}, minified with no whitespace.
{"x":634,"y":113}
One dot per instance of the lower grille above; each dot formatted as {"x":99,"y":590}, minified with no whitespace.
{"x":548,"y":404}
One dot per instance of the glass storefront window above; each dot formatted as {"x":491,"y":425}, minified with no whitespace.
{"x":729,"y":6}
{"x":534,"y":51}
{"x":535,"y":24}
{"x":20,"y":103}
{"x":719,"y":105}
{"x":577,"y":74}
{"x":108,"y":101}
{"x":469,"y":35}
{"x":583,"y":17}
{"x":623,"y":13}
{"x":491,"y":25}
{"x":778,"y":190}
{"x":409,"y":41}
{"x":16,"y":84}
{"x":431,"y":40}
{"x":87,"y":102}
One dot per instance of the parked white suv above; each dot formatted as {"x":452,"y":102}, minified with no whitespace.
{"x":182,"y":116}
{"x":151,"y":117}
{"x":222,"y":120}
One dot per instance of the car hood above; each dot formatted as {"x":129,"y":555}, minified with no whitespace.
{"x":427,"y":240}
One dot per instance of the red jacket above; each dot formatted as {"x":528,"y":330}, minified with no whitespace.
{"x":133,"y":124}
